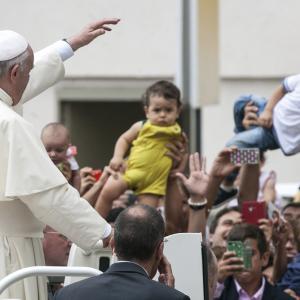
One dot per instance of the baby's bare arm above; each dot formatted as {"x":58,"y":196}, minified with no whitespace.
{"x":265,"y":119}
{"x":123,"y":144}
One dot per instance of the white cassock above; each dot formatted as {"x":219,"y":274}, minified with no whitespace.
{"x":33,"y":192}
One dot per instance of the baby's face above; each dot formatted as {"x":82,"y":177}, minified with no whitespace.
{"x":56,"y":145}
{"x":162,"y":112}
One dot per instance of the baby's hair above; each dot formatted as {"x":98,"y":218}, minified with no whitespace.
{"x":162,"y":88}
{"x":56,"y":128}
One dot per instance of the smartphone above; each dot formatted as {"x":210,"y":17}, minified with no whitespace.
{"x":243,"y":251}
{"x":245,"y":156}
{"x":97,"y":174}
{"x":252,"y":211}
{"x":237,"y":247}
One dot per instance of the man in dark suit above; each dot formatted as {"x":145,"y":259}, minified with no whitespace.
{"x":138,"y":244}
{"x":237,"y":283}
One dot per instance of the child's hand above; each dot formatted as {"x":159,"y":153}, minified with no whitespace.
{"x":116,"y":163}
{"x":266,"y":118}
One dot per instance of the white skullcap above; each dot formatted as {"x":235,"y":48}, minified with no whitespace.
{"x":12,"y":44}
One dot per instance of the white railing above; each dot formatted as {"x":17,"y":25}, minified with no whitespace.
{"x":46,"y":271}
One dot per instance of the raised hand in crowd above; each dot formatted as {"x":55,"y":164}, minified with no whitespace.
{"x":178,"y":152}
{"x":228,"y":265}
{"x":174,"y":200}
{"x":266,"y":225}
{"x":222,"y":166}
{"x":197,"y":182}
{"x":90,"y":187}
{"x":269,"y":191}
{"x":87,"y":179}
{"x":280,"y":236}
{"x":196,"y":186}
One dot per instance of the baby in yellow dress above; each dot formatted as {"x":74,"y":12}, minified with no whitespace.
{"x":147,"y":167}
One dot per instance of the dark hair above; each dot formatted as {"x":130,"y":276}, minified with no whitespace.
{"x":215,"y":221}
{"x":113,"y":214}
{"x":162,"y":88}
{"x":295,"y":226}
{"x":292,"y":204}
{"x":241,"y":232}
{"x":138,"y":231}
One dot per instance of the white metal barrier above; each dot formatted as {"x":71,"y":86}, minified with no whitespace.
{"x":46,"y":271}
{"x":79,"y":257}
{"x":185,"y":253}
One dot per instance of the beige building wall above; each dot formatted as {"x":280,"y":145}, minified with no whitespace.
{"x":259,"y":45}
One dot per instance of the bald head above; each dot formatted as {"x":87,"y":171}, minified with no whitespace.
{"x":56,"y":130}
{"x":138,"y":231}
{"x":56,"y":139}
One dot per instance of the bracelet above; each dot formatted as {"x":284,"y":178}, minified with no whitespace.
{"x":65,"y":40}
{"x":197,"y":205}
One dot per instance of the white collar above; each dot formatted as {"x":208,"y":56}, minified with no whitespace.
{"x":257,"y":295}
{"x":5,"y":98}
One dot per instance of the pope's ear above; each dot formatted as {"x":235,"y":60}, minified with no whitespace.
{"x":14,"y":72}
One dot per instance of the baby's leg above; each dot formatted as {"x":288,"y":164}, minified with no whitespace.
{"x":239,"y":109}
{"x":112,"y":190}
{"x":149,"y":199}
{"x":258,"y":137}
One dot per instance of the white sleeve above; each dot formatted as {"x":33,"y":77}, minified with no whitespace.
{"x":291,"y":82}
{"x":63,"y":48}
{"x":64,"y":210}
{"x":48,"y":69}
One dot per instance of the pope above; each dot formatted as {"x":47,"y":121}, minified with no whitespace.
{"x":33,"y":192}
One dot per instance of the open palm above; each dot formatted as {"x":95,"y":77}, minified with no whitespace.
{"x":197,"y":182}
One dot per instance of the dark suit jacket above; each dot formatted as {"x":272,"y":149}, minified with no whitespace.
{"x":122,"y":280}
{"x":270,"y":292}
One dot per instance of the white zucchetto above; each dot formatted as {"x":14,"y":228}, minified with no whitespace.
{"x":12,"y":44}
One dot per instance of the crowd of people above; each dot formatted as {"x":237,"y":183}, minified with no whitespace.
{"x":152,"y":187}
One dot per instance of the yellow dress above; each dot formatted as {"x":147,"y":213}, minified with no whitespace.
{"x":148,"y":167}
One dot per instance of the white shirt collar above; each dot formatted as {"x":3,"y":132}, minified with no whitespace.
{"x":257,"y":296}
{"x":5,"y":98}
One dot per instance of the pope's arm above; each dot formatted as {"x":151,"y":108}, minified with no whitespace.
{"x":63,"y":209}
{"x":48,"y":63}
